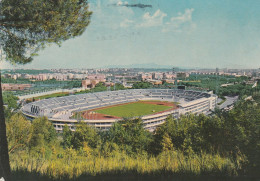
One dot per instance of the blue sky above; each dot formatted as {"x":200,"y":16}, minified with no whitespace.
{"x":185,"y":33}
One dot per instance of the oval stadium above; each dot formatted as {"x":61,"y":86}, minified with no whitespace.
{"x":102,"y":109}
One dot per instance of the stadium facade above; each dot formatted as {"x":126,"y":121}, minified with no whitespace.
{"x":60,"y":110}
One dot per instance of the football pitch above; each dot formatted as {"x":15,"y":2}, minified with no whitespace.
{"x":135,"y":109}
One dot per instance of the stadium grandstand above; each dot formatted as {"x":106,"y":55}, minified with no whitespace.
{"x":65,"y":110}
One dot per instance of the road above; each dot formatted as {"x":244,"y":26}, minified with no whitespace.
{"x":229,"y":101}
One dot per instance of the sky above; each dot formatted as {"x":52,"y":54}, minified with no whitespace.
{"x":179,"y":33}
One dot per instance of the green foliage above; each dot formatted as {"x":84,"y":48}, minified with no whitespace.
{"x":17,"y":81}
{"x":241,"y":132}
{"x":229,"y":135}
{"x":59,"y":94}
{"x":119,"y":87}
{"x":73,"y":84}
{"x":214,"y":82}
{"x":99,"y":87}
{"x":28,"y":25}
{"x":234,"y":134}
{"x":256,"y":97}
{"x":10,"y":100}
{"x":67,"y":137}
{"x":236,"y":89}
{"x":166,"y":143}
{"x":142,"y":85}
{"x":19,"y":131}
{"x":43,"y":133}
{"x":166,"y":85}
{"x":85,"y":134}
{"x":130,"y":136}
{"x":109,"y":149}
{"x":183,"y":133}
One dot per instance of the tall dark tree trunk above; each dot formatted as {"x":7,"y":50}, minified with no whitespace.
{"x":5,"y":170}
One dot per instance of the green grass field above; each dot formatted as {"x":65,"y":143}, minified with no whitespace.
{"x":133,"y":110}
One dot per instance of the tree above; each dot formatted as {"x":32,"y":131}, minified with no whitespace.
{"x":130,"y":135}
{"x":119,"y":86}
{"x":142,"y":85}
{"x":67,"y":136}
{"x":43,"y":133}
{"x":10,"y":102}
{"x":99,"y":87}
{"x":18,"y":132}
{"x":166,"y":143}
{"x":27,"y":26}
{"x":190,"y":133}
{"x":241,"y":130}
{"x":169,"y":128}
{"x":85,"y":134}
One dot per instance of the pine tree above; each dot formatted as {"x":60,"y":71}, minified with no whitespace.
{"x":27,"y":26}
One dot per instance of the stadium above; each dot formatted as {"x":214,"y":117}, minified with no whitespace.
{"x":102,"y":109}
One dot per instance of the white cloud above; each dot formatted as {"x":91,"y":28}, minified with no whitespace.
{"x":125,"y":12}
{"x":181,"y":22}
{"x":126,"y":23}
{"x":120,"y":3}
{"x":153,"y":20}
{"x":186,"y":16}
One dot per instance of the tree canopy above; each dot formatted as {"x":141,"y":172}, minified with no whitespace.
{"x":130,"y":135}
{"x":26,"y":26}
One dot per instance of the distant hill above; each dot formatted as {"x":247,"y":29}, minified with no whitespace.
{"x":146,"y":66}
{"x":151,"y":66}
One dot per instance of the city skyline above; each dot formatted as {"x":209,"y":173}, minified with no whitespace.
{"x":203,"y":34}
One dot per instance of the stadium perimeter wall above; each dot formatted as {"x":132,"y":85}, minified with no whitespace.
{"x":201,"y":103}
